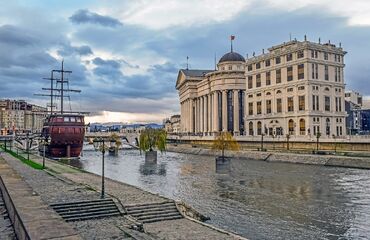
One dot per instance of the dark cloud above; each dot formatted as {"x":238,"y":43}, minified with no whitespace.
{"x":15,"y":36}
{"x":85,"y":16}
{"x":68,"y":50}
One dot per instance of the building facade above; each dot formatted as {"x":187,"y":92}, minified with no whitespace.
{"x":297,"y":88}
{"x":213,"y":100}
{"x":173,"y":124}
{"x":20,"y":116}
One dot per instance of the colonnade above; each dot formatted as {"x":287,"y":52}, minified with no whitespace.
{"x":214,"y":112}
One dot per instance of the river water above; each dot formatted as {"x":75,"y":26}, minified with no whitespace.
{"x":256,"y":199}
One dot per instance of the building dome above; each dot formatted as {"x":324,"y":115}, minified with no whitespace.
{"x":232,"y":57}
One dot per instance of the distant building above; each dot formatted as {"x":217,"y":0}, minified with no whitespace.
{"x":358,"y":114}
{"x":20,"y":116}
{"x":172,"y":125}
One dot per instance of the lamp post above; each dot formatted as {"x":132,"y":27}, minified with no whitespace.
{"x":99,"y":144}
{"x":28,"y":146}
{"x":45,"y":142}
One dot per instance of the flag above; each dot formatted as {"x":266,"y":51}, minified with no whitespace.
{"x":232,"y":37}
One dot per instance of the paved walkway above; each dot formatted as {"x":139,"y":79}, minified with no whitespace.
{"x":64,"y":183}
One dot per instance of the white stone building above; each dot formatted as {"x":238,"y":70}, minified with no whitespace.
{"x":297,"y":88}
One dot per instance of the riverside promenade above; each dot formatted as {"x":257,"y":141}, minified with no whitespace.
{"x":60,"y":183}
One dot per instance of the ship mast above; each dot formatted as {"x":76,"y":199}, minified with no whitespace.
{"x":61,"y":90}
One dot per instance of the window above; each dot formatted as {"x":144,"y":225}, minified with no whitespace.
{"x":326,"y":56}
{"x":301,"y":103}
{"x":290,"y":73}
{"x":291,"y":127}
{"x":327,"y":103}
{"x":258,"y":80}
{"x":279,"y":107}
{"x":250,"y":108}
{"x":251,"y":128}
{"x":66,"y":119}
{"x":337,"y":74}
{"x":315,"y":71}
{"x":258,"y":95}
{"x":250,"y":82}
{"x":302,"y":126}
{"x":289,"y":57}
{"x":278,"y":92}
{"x":258,"y":65}
{"x":290,"y":104}
{"x":268,"y":78}
{"x":267,"y":63}
{"x":277,"y":60}
{"x":315,"y":102}
{"x":259,"y":107}
{"x":268,"y":106}
{"x":259,"y":128}
{"x":314,"y":54}
{"x":326,"y":72}
{"x":338,"y":104}
{"x":300,"y":54}
{"x":289,"y":90}
{"x":268,"y":94}
{"x":230,"y":67}
{"x":278,"y":76}
{"x":301,"y":71}
{"x":250,"y":96}
{"x":301,"y":88}
{"x":250,"y":67}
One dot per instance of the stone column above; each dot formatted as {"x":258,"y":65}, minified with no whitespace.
{"x":236,"y":113}
{"x":209,"y":114}
{"x":224,"y":110}
{"x":201,"y":115}
{"x":215,"y":112}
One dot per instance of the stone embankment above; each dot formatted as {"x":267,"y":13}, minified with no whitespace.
{"x":34,"y":193}
{"x":314,"y":159}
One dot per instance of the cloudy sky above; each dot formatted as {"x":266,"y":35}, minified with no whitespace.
{"x":125,"y":55}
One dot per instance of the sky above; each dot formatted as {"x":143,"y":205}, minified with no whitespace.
{"x":125,"y":55}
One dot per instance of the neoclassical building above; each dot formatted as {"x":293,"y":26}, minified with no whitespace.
{"x":213,"y":100}
{"x":296,"y":88}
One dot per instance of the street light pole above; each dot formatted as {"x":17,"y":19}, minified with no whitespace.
{"x":102,"y":179}
{"x":99,"y":143}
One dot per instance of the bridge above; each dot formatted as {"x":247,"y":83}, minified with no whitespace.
{"x":129,"y":139}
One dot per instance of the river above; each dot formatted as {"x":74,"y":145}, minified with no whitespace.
{"x":256,"y":199}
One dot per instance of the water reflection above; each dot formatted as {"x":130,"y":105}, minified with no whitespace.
{"x":256,"y":199}
{"x":152,"y":168}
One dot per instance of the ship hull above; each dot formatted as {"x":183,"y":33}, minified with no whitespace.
{"x":66,"y":134}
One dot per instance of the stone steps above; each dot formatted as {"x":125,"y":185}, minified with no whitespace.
{"x":154,"y":212}
{"x":85,"y":210}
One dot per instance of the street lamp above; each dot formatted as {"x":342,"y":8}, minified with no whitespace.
{"x":99,"y":145}
{"x":45,"y":142}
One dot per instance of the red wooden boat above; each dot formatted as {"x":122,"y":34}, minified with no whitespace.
{"x":66,"y":135}
{"x":65,"y":131}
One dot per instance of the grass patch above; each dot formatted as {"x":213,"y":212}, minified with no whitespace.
{"x":30,"y":163}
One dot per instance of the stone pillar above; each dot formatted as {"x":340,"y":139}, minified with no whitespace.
{"x":191,"y":114}
{"x":209,"y":114}
{"x":224,"y":110}
{"x":201,"y":115}
{"x":215,"y":112}
{"x":236,"y":112}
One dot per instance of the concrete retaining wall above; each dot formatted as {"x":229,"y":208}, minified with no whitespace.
{"x":326,"y":160}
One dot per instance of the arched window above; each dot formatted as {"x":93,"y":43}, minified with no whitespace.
{"x":328,"y":126}
{"x":259,"y":128}
{"x":268,"y":94}
{"x":302,"y":126}
{"x":291,"y":127}
{"x":327,"y":89}
{"x":251,"y":129}
{"x":278,"y":92}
